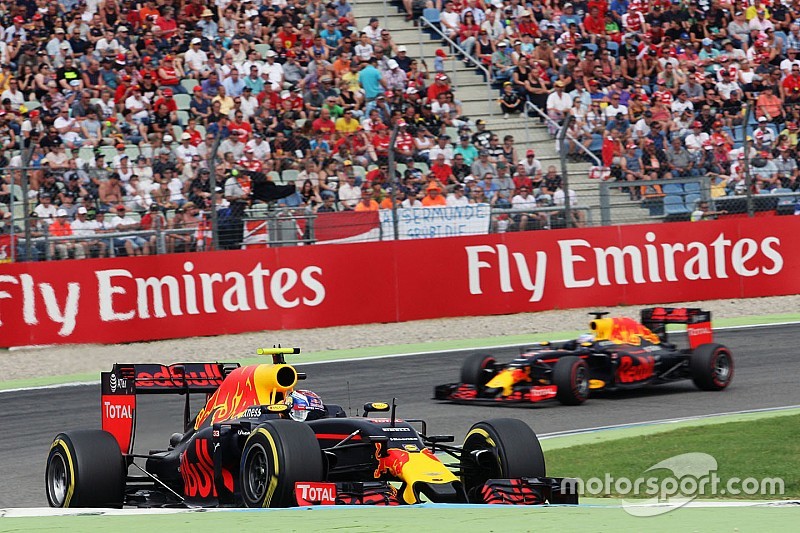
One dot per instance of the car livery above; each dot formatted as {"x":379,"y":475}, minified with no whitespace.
{"x":621,"y":353}
{"x":245,"y":447}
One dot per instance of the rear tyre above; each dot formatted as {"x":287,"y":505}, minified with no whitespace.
{"x":85,"y":469}
{"x":276,"y":455}
{"x":500,"y":448}
{"x":477,"y":370}
{"x":711,"y":366}
{"x":571,"y":377}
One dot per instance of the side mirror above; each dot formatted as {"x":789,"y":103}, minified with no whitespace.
{"x":375,"y":407}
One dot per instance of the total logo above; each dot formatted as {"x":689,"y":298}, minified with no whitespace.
{"x":117,"y":411}
{"x":315,"y":493}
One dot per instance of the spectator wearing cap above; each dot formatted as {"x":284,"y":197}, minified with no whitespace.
{"x":466,"y":150}
{"x":133,"y":245}
{"x":502,"y":62}
{"x":433,"y":195}
{"x":559,"y":105}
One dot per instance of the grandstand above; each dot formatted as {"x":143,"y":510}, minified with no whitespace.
{"x":133,"y":112}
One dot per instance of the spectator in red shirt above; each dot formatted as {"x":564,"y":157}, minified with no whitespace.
{"x":442,"y":171}
{"x":324,"y":124}
{"x":167,"y":100}
{"x":437,"y":88}
{"x":404,"y":143}
{"x":249,"y":161}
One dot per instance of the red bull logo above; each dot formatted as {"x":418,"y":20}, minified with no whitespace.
{"x":622,"y":330}
{"x":392,"y":464}
{"x":231,"y":399}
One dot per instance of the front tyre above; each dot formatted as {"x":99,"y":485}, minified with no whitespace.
{"x":501,"y":448}
{"x":711,"y":367}
{"x":276,"y":455}
{"x":477,"y":370}
{"x":85,"y":469}
{"x":571,"y":378}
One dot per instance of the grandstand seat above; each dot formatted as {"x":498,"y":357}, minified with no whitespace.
{"x":673,"y":205}
{"x":189,"y":84}
{"x":423,"y":167}
{"x":275,"y":176}
{"x":132,"y":151}
{"x":432,"y":15}
{"x":201,"y":130}
{"x":109,"y":152}
{"x":691,"y":187}
{"x":613,"y":48}
{"x":183,"y":101}
{"x":299,"y":123}
{"x":262,"y":49}
{"x":400,"y":167}
{"x":86,"y":154}
{"x":786,"y":201}
{"x":690,"y":201}
{"x":183,"y":117}
{"x":32,"y":104}
{"x":673,"y":188}
{"x":590,"y":46}
{"x":289,"y":175}
{"x":359,"y":171}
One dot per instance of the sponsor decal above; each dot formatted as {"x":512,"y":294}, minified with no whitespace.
{"x":635,"y":368}
{"x":411,"y":448}
{"x":171,"y":376}
{"x":390,"y":429}
{"x":197,"y":471}
{"x":539,"y":393}
{"x":314,"y":493}
{"x":156,"y":297}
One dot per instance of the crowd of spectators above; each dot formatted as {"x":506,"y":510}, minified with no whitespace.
{"x":115,"y":107}
{"x":657,"y":88}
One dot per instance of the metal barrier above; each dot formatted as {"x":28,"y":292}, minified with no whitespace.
{"x":455,"y":46}
{"x":529,"y":106}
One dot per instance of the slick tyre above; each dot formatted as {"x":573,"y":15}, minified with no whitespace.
{"x":477,"y":370}
{"x":85,"y":469}
{"x":276,"y":455}
{"x":571,"y":377}
{"x":500,"y":448}
{"x":711,"y":366}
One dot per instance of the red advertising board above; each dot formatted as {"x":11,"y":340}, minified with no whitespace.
{"x":186,"y":295}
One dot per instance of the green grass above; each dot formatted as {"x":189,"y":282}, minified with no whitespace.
{"x":758,"y":449}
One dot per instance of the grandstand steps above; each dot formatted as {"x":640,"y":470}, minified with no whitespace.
{"x":471,"y":91}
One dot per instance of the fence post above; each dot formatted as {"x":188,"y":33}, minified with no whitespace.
{"x":212,"y":169}
{"x":747,"y":179}
{"x":394,"y":181}
{"x":562,"y":134}
{"x":26,"y":206}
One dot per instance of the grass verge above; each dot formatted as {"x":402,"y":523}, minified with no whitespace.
{"x":765,"y":448}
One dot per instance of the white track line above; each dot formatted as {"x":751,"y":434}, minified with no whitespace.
{"x":583,"y":431}
{"x":410,"y":354}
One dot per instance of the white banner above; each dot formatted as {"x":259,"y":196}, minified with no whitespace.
{"x":431,"y":222}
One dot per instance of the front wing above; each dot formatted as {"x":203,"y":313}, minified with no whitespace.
{"x":523,"y":393}
{"x":518,"y":491}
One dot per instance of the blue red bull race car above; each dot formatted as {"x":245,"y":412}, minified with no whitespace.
{"x":260,"y":442}
{"x":620,"y":353}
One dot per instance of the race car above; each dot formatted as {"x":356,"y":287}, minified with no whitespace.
{"x":260,"y":442}
{"x":621,"y":353}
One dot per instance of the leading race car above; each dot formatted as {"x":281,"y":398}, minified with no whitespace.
{"x":260,"y":442}
{"x":621,"y":353}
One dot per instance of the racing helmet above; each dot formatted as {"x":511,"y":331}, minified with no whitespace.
{"x":305,"y":405}
{"x":586,"y":337}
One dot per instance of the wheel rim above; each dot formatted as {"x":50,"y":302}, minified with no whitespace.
{"x":57,"y":480}
{"x":256,"y":467}
{"x":722,"y":368}
{"x":581,"y":381}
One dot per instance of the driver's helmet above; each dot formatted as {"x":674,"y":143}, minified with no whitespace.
{"x":586,"y":337}
{"x":305,"y":405}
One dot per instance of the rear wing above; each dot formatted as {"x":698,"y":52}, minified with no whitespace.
{"x":120,"y":386}
{"x":698,"y":323}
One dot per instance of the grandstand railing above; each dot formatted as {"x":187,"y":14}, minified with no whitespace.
{"x":531,"y":107}
{"x":423,"y":22}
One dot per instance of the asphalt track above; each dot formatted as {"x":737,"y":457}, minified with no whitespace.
{"x":767,"y":366}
